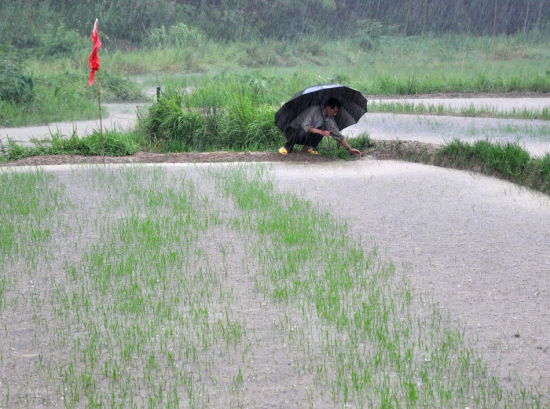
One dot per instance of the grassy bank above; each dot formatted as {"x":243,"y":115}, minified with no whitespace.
{"x":390,"y":65}
{"x":60,"y":93}
{"x":506,"y":161}
{"x":110,"y":143}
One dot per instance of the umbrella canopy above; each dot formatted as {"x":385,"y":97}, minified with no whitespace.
{"x":354,"y":104}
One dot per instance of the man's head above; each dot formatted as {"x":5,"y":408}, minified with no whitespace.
{"x":331,"y":107}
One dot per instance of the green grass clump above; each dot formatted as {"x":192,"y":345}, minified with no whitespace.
{"x":211,"y":120}
{"x":110,"y":143}
{"x":508,"y":161}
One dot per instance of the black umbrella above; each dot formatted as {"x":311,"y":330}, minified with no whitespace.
{"x":354,"y":104}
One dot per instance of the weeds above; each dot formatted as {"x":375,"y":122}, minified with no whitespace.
{"x":110,"y":143}
{"x":212,"y":120}
{"x":508,"y":161}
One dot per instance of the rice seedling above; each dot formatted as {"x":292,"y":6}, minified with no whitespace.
{"x":365,"y":335}
{"x":31,"y":203}
{"x":153,"y":310}
{"x":148,"y":308}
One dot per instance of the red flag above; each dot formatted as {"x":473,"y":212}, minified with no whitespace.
{"x":93,"y":60}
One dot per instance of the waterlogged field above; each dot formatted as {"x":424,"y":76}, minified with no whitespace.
{"x":207,"y":287}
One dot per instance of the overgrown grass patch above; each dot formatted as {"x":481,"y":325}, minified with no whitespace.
{"x":212,"y":119}
{"x":508,"y":161}
{"x":108,"y":143}
{"x":65,"y":95}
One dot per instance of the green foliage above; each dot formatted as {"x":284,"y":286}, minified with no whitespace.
{"x":368,"y":33}
{"x":179,"y":35}
{"x":115,"y":87}
{"x":159,"y":22}
{"x":111,"y":143}
{"x":508,"y":161}
{"x":540,"y":178}
{"x":212,"y":118}
{"x":58,"y":40}
{"x":15,"y":86}
{"x":330,"y":148}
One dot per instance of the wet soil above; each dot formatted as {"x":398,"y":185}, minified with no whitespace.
{"x":382,"y":150}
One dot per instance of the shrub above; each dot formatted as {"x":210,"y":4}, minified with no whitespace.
{"x":541,"y":173}
{"x":179,"y":35}
{"x":15,"y":86}
{"x":219,"y":122}
{"x":509,"y":160}
{"x":368,"y":33}
{"x":58,"y":40}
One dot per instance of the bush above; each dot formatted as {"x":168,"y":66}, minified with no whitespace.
{"x":368,"y":33}
{"x":224,"y":122}
{"x":15,"y":86}
{"x":541,"y":173}
{"x":179,"y":35}
{"x":57,"y":40}
{"x":509,"y":161}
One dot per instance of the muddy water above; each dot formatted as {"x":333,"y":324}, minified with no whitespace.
{"x":476,"y":246}
{"x":479,"y":247}
{"x":533,"y":136}
{"x":491,"y":104}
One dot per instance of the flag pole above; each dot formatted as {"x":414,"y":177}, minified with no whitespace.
{"x":102,"y":140}
{"x":93,"y":63}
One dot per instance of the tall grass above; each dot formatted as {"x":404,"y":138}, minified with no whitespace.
{"x":213,"y":118}
{"x":508,"y":161}
{"x":62,"y":95}
{"x":396,"y":65}
{"x":109,"y":143}
{"x":471,"y":111}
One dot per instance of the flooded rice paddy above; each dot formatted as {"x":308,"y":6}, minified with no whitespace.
{"x":477,"y":247}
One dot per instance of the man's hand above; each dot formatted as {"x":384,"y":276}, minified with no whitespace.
{"x":351,"y":150}
{"x":319,"y":131}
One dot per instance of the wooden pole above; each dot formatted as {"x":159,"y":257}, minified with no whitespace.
{"x":102,"y":140}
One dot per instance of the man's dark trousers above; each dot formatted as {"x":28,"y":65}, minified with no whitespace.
{"x":297,"y":136}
